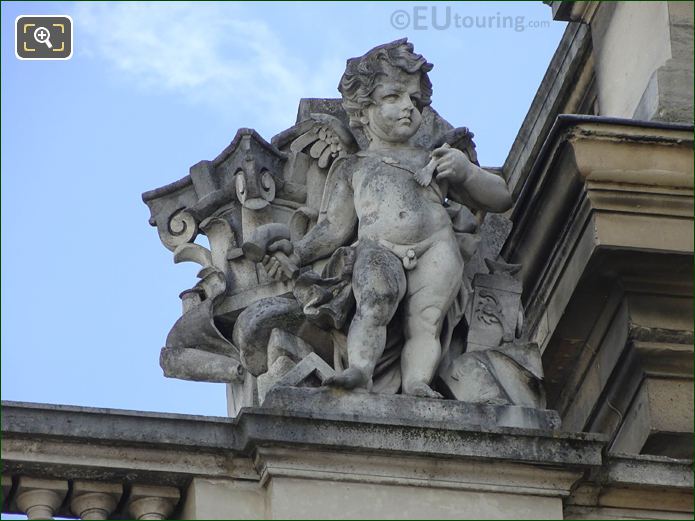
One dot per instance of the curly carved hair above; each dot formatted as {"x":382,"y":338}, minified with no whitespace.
{"x":362,"y":74}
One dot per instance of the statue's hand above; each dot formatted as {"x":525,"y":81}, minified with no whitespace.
{"x":281,"y":263}
{"x":452,"y":164}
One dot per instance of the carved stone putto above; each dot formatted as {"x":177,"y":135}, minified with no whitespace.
{"x":336,"y":253}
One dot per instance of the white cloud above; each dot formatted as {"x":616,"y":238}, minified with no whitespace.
{"x":211,"y":54}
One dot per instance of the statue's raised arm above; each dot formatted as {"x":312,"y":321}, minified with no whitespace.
{"x":466,"y":181}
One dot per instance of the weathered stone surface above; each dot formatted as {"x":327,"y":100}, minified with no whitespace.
{"x":349,"y":485}
{"x":82,"y":427}
{"x":390,"y":172}
{"x":495,"y":310}
{"x":499,"y":366}
{"x":311,"y":365}
{"x":505,"y":375}
{"x":607,"y":273}
{"x":429,"y":239}
{"x":311,"y":370}
{"x":152,"y":502}
{"x":659,"y":420}
{"x":224,"y":499}
{"x":196,"y":364}
{"x":240,"y":466}
{"x":94,"y":500}
{"x":337,"y":403}
{"x":635,"y":487}
{"x":493,"y":232}
{"x":39,"y":498}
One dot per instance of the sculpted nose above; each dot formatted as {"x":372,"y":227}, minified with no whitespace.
{"x":407,"y":104}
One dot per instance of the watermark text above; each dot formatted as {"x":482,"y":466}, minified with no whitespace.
{"x":443,"y":17}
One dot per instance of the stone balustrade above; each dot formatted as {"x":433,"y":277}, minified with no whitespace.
{"x":152,"y":502}
{"x":94,"y":500}
{"x":40,"y":498}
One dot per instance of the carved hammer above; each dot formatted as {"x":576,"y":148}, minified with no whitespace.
{"x":256,"y":247}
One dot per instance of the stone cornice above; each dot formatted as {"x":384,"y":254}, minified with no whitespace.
{"x":261,"y":425}
{"x":592,"y":164}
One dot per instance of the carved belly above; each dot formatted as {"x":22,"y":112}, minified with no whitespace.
{"x":396,"y":208}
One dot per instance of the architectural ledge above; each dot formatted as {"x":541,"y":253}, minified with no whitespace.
{"x":609,"y":150}
{"x":156,"y":458}
{"x":600,"y":185}
{"x":416,"y":471}
{"x":26,"y":425}
{"x":648,"y":471}
{"x":632,"y":486}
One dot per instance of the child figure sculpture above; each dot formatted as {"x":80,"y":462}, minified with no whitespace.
{"x":395,"y":193}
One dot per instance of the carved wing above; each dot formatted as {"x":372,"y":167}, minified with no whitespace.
{"x":321,"y":140}
{"x":326,"y":139}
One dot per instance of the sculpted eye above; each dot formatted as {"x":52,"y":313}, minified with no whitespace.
{"x":390,"y":97}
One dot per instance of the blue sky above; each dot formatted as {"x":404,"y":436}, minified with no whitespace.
{"x":88,"y":291}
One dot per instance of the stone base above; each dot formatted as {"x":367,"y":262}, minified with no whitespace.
{"x":327,"y":402}
{"x":419,"y":460}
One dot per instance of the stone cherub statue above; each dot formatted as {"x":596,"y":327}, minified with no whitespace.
{"x":337,"y":253}
{"x":394,"y":193}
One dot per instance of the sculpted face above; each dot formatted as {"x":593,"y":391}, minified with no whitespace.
{"x":394,"y":116}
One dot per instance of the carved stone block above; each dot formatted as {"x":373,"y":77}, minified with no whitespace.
{"x":406,"y":409}
{"x":495,"y":307}
{"x":312,"y":370}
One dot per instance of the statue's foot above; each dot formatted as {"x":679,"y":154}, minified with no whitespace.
{"x":423,"y":390}
{"x":351,"y":378}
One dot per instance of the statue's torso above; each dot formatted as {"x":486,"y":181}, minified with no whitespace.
{"x":390,"y":204}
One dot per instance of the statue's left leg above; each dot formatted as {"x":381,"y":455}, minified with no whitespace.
{"x":432,"y":287}
{"x":378,"y":283}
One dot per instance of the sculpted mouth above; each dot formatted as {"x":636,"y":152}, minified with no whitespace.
{"x":405,"y":120}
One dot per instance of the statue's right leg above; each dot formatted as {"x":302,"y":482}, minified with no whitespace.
{"x":379,"y":283}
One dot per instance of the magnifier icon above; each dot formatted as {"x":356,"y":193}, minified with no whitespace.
{"x":43,"y":35}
